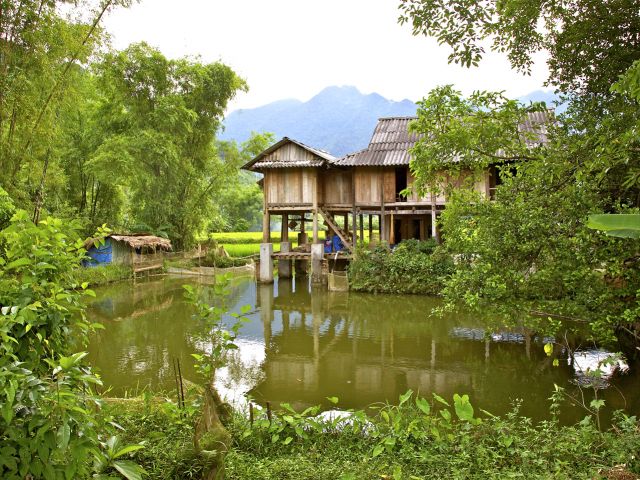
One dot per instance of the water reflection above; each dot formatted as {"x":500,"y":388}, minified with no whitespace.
{"x":303,"y":345}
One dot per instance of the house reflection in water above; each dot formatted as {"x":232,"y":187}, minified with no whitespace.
{"x":371,"y":348}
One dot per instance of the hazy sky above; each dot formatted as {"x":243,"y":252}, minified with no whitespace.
{"x":295,"y":48}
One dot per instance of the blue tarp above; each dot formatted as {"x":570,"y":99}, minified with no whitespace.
{"x":99,"y":254}
{"x":337,"y":244}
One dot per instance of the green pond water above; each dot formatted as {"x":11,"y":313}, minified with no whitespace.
{"x":302,"y":345}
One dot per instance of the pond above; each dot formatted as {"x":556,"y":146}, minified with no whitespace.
{"x":303,"y":344}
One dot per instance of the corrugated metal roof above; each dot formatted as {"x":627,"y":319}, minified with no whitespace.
{"x":391,"y":140}
{"x":322,"y":159}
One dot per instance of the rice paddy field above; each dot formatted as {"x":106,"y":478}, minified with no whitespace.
{"x":244,"y":244}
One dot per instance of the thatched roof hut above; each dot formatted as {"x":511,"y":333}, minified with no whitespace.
{"x":125,"y":248}
{"x":135,"y":240}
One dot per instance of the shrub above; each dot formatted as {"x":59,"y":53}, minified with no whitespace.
{"x":214,"y":260}
{"x":102,"y":274}
{"x":413,"y":267}
{"x":50,"y":426}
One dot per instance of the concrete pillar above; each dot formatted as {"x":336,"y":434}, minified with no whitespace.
{"x":266,"y":263}
{"x":317,"y":255}
{"x":284,"y":266}
{"x":434,"y":230}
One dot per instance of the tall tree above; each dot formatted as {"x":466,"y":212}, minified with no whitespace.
{"x":40,"y":51}
{"x":530,"y":251}
{"x":589,"y":42}
{"x":240,"y":202}
{"x":163,"y":116}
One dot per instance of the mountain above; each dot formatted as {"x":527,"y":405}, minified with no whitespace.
{"x":339,"y":120}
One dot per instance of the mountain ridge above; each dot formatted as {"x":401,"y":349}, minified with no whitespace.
{"x":339,"y":119}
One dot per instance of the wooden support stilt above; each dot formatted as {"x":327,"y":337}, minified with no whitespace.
{"x":284,"y":228}
{"x":266,"y":228}
{"x":434,"y":230}
{"x":315,"y":225}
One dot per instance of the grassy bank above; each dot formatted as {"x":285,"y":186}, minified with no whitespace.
{"x":420,"y":439}
{"x":102,"y":275}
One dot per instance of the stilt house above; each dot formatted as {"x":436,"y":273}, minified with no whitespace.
{"x":303,"y":184}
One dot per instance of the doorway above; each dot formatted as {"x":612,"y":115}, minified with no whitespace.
{"x":401,"y":183}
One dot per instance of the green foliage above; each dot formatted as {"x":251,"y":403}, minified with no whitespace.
{"x":212,"y":259}
{"x":589,"y":43}
{"x":413,"y":267}
{"x":241,"y":199}
{"x":422,"y":439}
{"x":102,"y":274}
{"x":167,"y":432}
{"x":123,"y":138}
{"x":49,"y":427}
{"x":621,"y":225}
{"x":159,"y":118}
{"x":214,"y":331}
{"x":41,"y":82}
{"x":530,"y":249}
{"x":464,"y":136}
{"x":6,"y":209}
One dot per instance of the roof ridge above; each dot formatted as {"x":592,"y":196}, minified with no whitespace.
{"x":399,"y":117}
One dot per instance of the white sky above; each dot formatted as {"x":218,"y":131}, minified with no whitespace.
{"x":295,"y":48}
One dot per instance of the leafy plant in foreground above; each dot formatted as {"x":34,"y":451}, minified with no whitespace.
{"x":50,"y":424}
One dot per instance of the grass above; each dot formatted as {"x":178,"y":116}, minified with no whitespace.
{"x":244,"y":244}
{"x":103,"y":274}
{"x":226,"y":238}
{"x":247,"y":249}
{"x":418,"y":440}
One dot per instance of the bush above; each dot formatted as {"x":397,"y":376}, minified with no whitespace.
{"x":426,"y":438}
{"x":413,"y":267}
{"x":50,"y":425}
{"x":214,"y":260}
{"x":102,"y":274}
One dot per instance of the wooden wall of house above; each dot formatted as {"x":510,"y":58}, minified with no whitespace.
{"x":368,"y":183}
{"x":481,"y":184}
{"x":291,"y":186}
{"x":122,"y":253}
{"x":338,"y":188}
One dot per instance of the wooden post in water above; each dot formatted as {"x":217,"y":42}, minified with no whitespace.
{"x":317,"y":255}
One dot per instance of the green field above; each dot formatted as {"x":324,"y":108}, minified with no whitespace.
{"x":244,"y":244}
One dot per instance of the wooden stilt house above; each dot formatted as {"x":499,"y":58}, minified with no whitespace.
{"x":304,"y":185}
